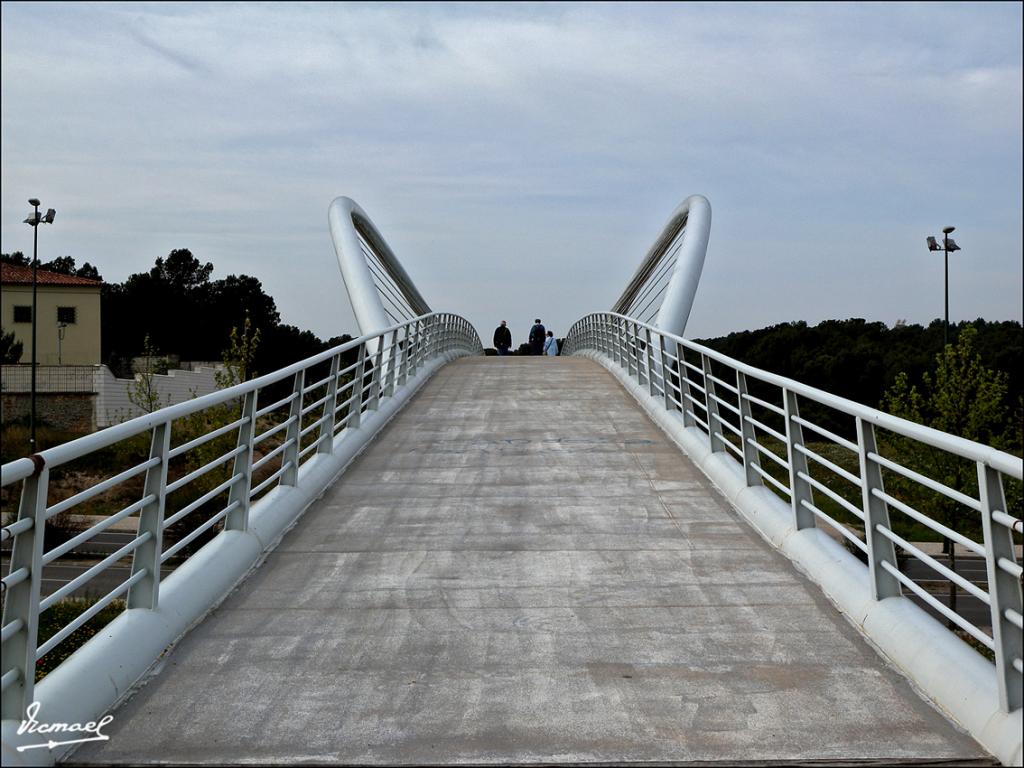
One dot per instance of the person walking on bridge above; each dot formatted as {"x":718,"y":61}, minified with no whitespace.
{"x":551,"y":345}
{"x":502,"y":338}
{"x":537,"y":338}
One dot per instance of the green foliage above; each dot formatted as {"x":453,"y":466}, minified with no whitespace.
{"x":962,"y":397}
{"x":143,"y":393}
{"x":65,"y":265}
{"x":10,"y":350}
{"x":239,"y":356}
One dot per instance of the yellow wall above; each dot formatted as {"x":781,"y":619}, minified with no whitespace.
{"x":81,"y":344}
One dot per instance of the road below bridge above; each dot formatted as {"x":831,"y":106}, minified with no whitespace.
{"x":521,"y":568}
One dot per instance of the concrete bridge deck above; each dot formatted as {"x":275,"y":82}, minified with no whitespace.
{"x":522,"y":568}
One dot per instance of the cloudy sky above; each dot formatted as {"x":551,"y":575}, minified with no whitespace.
{"x":520,"y":159}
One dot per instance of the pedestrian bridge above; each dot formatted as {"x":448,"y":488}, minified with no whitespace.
{"x":401,"y":551}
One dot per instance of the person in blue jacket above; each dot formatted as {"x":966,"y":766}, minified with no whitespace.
{"x":551,"y":345}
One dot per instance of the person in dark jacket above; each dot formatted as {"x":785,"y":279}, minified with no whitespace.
{"x":537,"y":338}
{"x":502,"y":338}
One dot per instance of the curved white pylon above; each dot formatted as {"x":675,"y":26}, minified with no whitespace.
{"x":664,"y":285}
{"x":381,"y":292}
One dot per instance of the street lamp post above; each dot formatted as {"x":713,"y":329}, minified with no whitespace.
{"x":34,"y":220}
{"x":948,"y":245}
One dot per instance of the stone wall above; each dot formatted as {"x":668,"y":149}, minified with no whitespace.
{"x":72,"y":411}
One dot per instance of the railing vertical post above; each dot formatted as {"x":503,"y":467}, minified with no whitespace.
{"x":290,"y":457}
{"x":392,"y":374}
{"x":403,"y":359}
{"x":876,"y":514}
{"x":412,"y":348}
{"x":717,"y":443}
{"x":22,"y":599}
{"x":629,"y":348}
{"x":799,"y":489}
{"x":325,"y":440}
{"x":650,"y":362}
{"x":639,"y":354}
{"x":622,"y":345}
{"x":146,"y":592}
{"x":355,"y":408}
{"x":666,"y":374}
{"x":1004,"y":590}
{"x":684,"y":388}
{"x":238,"y":518}
{"x":376,"y":378}
{"x":751,"y":458}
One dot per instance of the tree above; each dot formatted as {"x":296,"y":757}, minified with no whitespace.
{"x":143,"y":392}
{"x":239,"y":356}
{"x":10,"y":350}
{"x":962,"y":397}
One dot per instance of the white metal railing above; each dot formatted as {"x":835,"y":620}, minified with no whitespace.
{"x":208,"y":460}
{"x":754,"y":416}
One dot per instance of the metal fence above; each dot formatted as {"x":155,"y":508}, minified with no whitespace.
{"x":49,"y":378}
{"x":203,"y":463}
{"x":846,"y":465}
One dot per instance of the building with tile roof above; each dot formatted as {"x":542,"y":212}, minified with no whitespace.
{"x":68,"y":320}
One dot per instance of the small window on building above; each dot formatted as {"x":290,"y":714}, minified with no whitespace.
{"x":66,"y":315}
{"x":22,"y":314}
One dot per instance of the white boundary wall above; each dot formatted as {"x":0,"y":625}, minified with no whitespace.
{"x":113,"y":404}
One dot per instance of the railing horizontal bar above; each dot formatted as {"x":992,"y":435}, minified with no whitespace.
{"x":694,"y":368}
{"x":14,"y":578}
{"x":102,"y":525}
{"x":1019,"y":666}
{"x":273,"y":406}
{"x":1009,"y":567}
{"x":956,"y":618}
{"x":269,"y":457}
{"x":839,"y":527}
{"x":270,"y":479}
{"x":17,"y":528}
{"x":936,"y":526}
{"x":82,"y":618}
{"x":185,"y":541}
{"x":696,"y":402}
{"x":305,"y":451}
{"x":175,"y":452}
{"x":935,"y":565}
{"x":315,"y":405}
{"x":1008,"y":521}
{"x":194,"y":505}
{"x":694,"y":385}
{"x":727,"y":404}
{"x":848,"y":506}
{"x":735,"y":430}
{"x":736,"y":451}
{"x":770,"y":454}
{"x":283,"y":425}
{"x":827,"y":464}
{"x":325,"y":380}
{"x":1014,"y":618}
{"x":310,"y":427}
{"x":700,"y":421}
{"x":765,"y":404}
{"x":771,"y":479}
{"x":99,"y":488}
{"x":10,"y":630}
{"x":732,"y":388}
{"x":84,"y":578}
{"x":348,"y":369}
{"x":196,"y":474}
{"x":927,"y":482}
{"x":848,"y":444}
{"x":9,"y":678}
{"x":765,"y":428}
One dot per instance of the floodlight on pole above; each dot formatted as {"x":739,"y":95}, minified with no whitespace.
{"x":34,"y":220}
